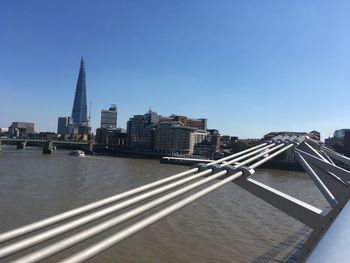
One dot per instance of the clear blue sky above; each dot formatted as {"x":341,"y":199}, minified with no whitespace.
{"x":249,"y":67}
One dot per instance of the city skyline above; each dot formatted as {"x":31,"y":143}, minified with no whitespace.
{"x":248,"y":68}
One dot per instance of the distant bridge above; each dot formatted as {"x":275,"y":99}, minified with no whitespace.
{"x":328,"y":241}
{"x":48,"y":145}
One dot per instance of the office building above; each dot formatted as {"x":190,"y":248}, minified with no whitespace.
{"x":140,"y":130}
{"x":340,"y":133}
{"x":109,"y":118}
{"x":174,"y":137}
{"x":63,"y":125}
{"x":21,"y":129}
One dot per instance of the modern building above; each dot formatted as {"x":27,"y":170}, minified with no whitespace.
{"x":140,"y":131}
{"x":21,"y":129}
{"x":79,"y":111}
{"x":174,"y":137}
{"x":340,"y":133}
{"x":109,"y":118}
{"x":340,"y":141}
{"x":63,"y":125}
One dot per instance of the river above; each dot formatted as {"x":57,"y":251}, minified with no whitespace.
{"x":228,"y":225}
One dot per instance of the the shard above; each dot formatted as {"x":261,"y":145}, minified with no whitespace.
{"x":79,"y":112}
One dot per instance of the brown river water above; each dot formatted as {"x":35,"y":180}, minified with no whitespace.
{"x":227,"y":225}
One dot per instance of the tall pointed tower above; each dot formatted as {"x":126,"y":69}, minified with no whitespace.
{"x":79,"y":112}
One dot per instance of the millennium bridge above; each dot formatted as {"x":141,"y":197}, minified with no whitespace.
{"x":328,"y":241}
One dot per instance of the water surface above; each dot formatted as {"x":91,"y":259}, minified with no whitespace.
{"x":228,"y":225}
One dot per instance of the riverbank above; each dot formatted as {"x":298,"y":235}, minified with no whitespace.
{"x":128,"y":153}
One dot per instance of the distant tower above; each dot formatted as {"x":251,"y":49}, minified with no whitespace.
{"x":109,"y":117}
{"x":63,"y":124}
{"x":79,"y":112}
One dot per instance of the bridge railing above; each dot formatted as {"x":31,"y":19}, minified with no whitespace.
{"x":235,"y":168}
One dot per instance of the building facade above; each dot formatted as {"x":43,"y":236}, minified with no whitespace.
{"x":204,"y":148}
{"x":109,"y":118}
{"x":210,"y":146}
{"x":340,"y":133}
{"x":140,"y":131}
{"x":199,"y":136}
{"x":174,"y":137}
{"x":110,"y":136}
{"x":63,"y":125}
{"x":21,"y":129}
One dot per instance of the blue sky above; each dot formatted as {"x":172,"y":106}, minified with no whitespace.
{"x":249,"y":67}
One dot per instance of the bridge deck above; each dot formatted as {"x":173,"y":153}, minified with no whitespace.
{"x":334,"y":246}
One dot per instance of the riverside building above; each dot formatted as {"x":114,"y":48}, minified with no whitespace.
{"x":141,"y":129}
{"x":174,"y":137}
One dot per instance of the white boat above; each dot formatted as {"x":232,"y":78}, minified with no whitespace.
{"x":78,"y":153}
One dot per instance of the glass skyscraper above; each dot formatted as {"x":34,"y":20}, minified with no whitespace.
{"x":79,"y":112}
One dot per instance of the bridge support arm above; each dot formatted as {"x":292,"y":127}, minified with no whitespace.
{"x":301,"y":211}
{"x":336,"y":156}
{"x":317,"y":181}
{"x":343,"y":174}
